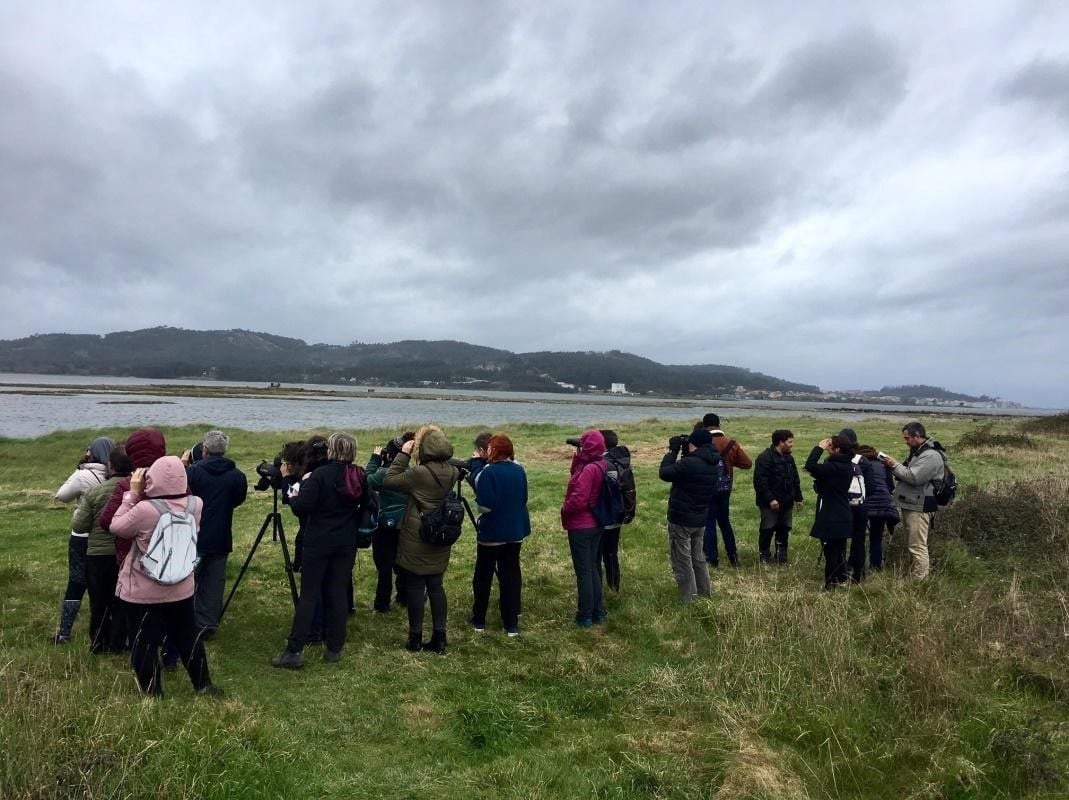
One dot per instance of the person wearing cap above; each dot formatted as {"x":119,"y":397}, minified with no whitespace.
{"x":91,"y":471}
{"x":861,"y":516}
{"x":223,"y":487}
{"x":719,"y":513}
{"x":693,"y":478}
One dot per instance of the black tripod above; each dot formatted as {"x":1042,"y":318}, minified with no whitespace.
{"x":278,"y":533}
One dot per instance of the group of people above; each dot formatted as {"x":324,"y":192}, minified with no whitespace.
{"x":124,"y":490}
{"x":862,"y":495}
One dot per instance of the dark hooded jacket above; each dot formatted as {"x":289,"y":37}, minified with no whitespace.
{"x":223,"y":487}
{"x":878,"y":499}
{"x":693,"y":479}
{"x":619,"y":459}
{"x":143,"y":446}
{"x":832,"y":478}
{"x":584,"y":485}
{"x":426,"y":485}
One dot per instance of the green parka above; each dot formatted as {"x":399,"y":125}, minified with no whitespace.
{"x":424,"y":494}
{"x":87,"y":518}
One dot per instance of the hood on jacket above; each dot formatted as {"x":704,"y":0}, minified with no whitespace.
{"x":144,"y":446}
{"x":620,"y":455}
{"x":708,"y":453}
{"x":431,"y":444}
{"x":166,"y":478}
{"x":591,"y":447}
{"x":215,"y":465}
{"x":100,"y":449}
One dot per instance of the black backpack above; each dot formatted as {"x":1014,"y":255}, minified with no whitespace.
{"x":945,"y":488}
{"x":609,"y":507}
{"x":441,"y":526}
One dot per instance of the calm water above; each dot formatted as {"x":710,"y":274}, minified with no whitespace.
{"x":26,"y":415}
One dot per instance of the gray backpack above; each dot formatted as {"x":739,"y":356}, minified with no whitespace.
{"x":172,"y":549}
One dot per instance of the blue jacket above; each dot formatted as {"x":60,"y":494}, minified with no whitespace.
{"x":501,"y":493}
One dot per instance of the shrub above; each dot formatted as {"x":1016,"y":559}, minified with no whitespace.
{"x":984,"y":436}
{"x":1057,"y":425}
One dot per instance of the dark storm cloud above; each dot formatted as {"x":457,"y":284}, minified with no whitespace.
{"x":550,"y":177}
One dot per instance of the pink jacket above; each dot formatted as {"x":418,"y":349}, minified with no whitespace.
{"x":588,"y":472}
{"x":136,"y":519}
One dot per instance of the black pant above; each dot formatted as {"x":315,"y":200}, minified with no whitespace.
{"x":77,"y":561}
{"x":150,"y":624}
{"x":857,"y":543}
{"x":835,"y":562}
{"x":384,"y":553}
{"x":877,"y":525}
{"x":326,"y":574}
{"x":418,"y":588}
{"x":610,"y":557}
{"x":107,"y":630}
{"x":720,"y":514}
{"x":505,"y":560}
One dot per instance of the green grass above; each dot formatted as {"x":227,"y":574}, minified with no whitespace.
{"x":954,"y":688}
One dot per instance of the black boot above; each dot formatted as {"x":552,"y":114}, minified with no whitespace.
{"x":68,"y":612}
{"x":437,"y":643}
{"x":415,"y":642}
{"x":764,"y":545}
{"x":781,"y":545}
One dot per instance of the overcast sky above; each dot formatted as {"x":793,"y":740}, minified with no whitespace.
{"x":845,"y":194}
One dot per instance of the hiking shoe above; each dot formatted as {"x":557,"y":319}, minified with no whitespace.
{"x":437,"y":643}
{"x":512,"y":633}
{"x":600,"y":617}
{"x":478,"y":625}
{"x":211,"y":690}
{"x":585,"y":622}
{"x":415,"y":642}
{"x":331,"y":656}
{"x":288,"y":660}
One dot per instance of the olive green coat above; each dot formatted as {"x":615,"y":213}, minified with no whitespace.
{"x":87,"y":518}
{"x":423,"y":495}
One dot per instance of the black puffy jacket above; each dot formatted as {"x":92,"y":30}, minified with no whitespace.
{"x":693,"y":479}
{"x":328,"y":518}
{"x":223,"y":487}
{"x":775,"y":477}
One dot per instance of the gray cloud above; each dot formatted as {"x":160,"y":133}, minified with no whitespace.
{"x":690,"y":186}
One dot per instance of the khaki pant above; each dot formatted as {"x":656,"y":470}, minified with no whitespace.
{"x":916,"y":525}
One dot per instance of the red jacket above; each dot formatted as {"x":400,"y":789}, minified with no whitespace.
{"x":584,"y":486}
{"x":143,"y":446}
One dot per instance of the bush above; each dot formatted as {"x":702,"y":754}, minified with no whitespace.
{"x":984,"y":436}
{"x":1023,"y":516}
{"x":1057,"y":425}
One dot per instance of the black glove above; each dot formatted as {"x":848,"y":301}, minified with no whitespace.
{"x":675,"y":444}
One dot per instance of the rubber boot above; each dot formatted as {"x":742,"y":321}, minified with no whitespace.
{"x":68,"y":612}
{"x":437,"y":643}
{"x":764,"y":545}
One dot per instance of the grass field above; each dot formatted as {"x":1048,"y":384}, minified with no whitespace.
{"x":952,"y":688}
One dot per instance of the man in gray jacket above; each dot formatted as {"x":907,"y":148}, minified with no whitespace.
{"x":915,"y":493}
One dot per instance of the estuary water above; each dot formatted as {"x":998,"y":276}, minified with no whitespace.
{"x":29,"y":408}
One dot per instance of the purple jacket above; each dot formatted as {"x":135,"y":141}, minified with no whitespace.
{"x":588,"y":473}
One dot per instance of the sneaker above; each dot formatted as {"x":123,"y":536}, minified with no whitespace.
{"x":331,"y":656}
{"x":288,"y":660}
{"x":585,"y":622}
{"x":59,"y":638}
{"x":512,"y":633}
{"x":600,"y":617}
{"x":476,"y":624}
{"x":211,"y":690}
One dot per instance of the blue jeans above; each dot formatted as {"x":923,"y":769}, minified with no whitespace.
{"x":585,"y":545}
{"x":720,"y":514}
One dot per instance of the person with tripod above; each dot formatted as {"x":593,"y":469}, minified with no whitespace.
{"x":329,"y":501}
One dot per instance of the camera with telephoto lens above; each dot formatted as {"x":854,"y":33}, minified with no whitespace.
{"x":270,"y":472}
{"x":574,"y":442}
